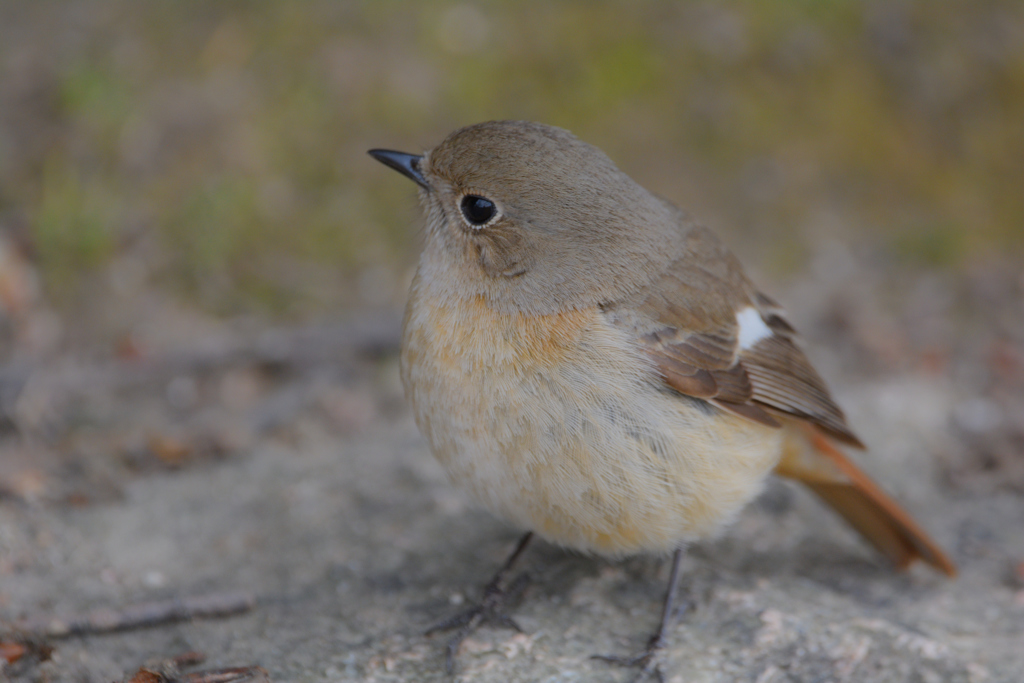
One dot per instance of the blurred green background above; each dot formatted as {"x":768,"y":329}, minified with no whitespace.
{"x":215,"y":152}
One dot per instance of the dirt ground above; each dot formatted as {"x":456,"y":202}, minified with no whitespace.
{"x":283,"y":463}
{"x":160,"y":159}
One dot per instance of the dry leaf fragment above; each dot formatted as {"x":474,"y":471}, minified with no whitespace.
{"x":11,"y":652}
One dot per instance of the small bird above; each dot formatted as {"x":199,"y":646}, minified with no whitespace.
{"x":592,"y":365}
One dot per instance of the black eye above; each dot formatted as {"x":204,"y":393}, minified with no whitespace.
{"x":477,"y":209}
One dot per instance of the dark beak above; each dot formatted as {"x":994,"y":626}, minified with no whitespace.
{"x":406,"y":164}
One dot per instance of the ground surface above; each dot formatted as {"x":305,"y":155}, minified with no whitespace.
{"x":284,"y":463}
{"x":159,"y":159}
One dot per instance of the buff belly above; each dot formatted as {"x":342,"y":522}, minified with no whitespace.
{"x":559,"y":425}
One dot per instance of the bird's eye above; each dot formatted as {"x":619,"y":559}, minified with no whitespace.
{"x":477,"y":210}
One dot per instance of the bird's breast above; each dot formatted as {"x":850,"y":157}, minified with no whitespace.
{"x":558,"y":423}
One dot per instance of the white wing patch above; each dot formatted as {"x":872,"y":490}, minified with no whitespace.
{"x":752,"y":328}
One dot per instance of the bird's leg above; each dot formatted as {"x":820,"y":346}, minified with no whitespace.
{"x":646,"y":660}
{"x":497,"y":594}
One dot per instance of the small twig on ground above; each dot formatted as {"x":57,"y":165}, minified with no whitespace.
{"x":145,"y":614}
{"x":238,"y":674}
{"x":190,"y":658}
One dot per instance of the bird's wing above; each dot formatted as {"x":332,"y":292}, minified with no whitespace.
{"x":713,"y":336}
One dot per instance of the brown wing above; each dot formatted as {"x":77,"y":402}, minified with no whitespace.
{"x":696,"y":365}
{"x":784,"y":380}
{"x":687,"y":323}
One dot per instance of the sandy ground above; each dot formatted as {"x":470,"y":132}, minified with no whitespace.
{"x":285,"y":464}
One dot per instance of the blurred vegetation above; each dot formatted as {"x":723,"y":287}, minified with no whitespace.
{"x":222,"y":145}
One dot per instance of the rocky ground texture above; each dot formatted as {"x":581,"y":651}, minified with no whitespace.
{"x":282,"y":465}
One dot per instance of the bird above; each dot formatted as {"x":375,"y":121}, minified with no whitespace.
{"x":593,"y":365}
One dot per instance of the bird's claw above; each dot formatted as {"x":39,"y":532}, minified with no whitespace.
{"x":490,"y":611}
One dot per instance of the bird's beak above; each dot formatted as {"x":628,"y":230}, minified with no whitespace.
{"x":406,"y":164}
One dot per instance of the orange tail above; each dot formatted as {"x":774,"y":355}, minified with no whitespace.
{"x":831,"y":475}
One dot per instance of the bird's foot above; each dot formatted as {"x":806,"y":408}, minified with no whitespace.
{"x":646,"y":661}
{"x":490,"y":610}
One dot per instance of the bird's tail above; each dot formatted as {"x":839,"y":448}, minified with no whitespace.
{"x":810,"y":458}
